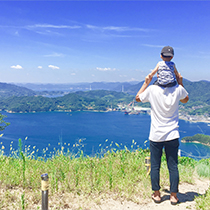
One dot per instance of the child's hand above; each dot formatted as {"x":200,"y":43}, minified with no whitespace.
{"x":148,"y":78}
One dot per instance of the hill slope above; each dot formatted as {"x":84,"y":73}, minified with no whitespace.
{"x":100,"y":100}
{"x":199,"y":96}
{"x":8,"y":90}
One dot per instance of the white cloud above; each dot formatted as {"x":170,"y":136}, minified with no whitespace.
{"x":92,"y":27}
{"x":49,"y":29}
{"x":39,"y":67}
{"x":105,"y":69}
{"x":53,"y":26}
{"x":53,"y":67}
{"x":89,"y":26}
{"x":153,"y":46}
{"x":117,"y":28}
{"x":17,"y":67}
{"x":48,"y":32}
{"x":17,"y":33}
{"x":73,"y":74}
{"x":132,"y":79}
{"x":54,"y":55}
{"x":123,"y":75}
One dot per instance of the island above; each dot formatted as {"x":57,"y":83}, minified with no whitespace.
{"x":198,"y":138}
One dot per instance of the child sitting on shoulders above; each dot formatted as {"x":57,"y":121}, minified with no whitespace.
{"x":167,"y":73}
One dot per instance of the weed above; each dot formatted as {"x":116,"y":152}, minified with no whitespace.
{"x":23,"y":201}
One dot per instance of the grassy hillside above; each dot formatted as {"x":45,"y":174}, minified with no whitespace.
{"x":8,"y":90}
{"x":120,"y":174}
{"x":198,"y":91}
{"x":100,"y":100}
{"x":199,"y":96}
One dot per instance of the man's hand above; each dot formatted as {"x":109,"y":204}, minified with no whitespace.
{"x":180,"y":79}
{"x":180,"y":82}
{"x":148,"y":79}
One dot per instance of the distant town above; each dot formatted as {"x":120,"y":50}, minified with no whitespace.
{"x":183,"y":114}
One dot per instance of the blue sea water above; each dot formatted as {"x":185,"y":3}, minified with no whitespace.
{"x":93,"y":132}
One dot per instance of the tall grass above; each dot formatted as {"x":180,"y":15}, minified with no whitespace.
{"x":203,"y":170}
{"x":120,"y":174}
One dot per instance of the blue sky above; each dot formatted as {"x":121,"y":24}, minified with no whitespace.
{"x":94,"y":41}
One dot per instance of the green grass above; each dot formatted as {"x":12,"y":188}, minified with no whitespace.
{"x":120,"y":174}
{"x":203,"y":170}
{"x":203,"y":201}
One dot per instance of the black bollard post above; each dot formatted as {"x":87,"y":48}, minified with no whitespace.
{"x":45,"y":187}
{"x":148,"y":165}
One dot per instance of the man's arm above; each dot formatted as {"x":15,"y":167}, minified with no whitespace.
{"x":148,"y":79}
{"x":179,"y":80}
{"x":185,"y":100}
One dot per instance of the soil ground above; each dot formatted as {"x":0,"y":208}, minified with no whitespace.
{"x":186,"y":195}
{"x":70,"y":201}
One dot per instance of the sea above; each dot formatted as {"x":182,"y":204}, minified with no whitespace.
{"x":92,"y":133}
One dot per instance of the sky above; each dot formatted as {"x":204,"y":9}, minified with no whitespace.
{"x":95,"y":41}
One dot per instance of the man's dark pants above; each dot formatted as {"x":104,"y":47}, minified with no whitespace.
{"x":171,"y":151}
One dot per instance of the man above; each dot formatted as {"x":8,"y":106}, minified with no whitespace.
{"x":164,"y":131}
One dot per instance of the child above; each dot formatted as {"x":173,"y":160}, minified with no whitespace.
{"x":167,"y":73}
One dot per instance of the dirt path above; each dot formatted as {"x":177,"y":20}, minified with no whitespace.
{"x":186,"y":197}
{"x":70,"y":201}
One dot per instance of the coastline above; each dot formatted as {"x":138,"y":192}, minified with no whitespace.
{"x":189,"y":118}
{"x":195,"y":142}
{"x":195,"y":119}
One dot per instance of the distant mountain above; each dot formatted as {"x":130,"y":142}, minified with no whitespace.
{"x":196,"y":90}
{"x":55,"y":87}
{"x":8,"y":90}
{"x":115,"y":86}
{"x":199,"y":94}
{"x":199,"y":98}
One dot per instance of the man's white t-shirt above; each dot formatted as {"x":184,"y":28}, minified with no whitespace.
{"x":164,"y":111}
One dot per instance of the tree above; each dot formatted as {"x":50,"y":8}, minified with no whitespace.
{"x":3,"y":124}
